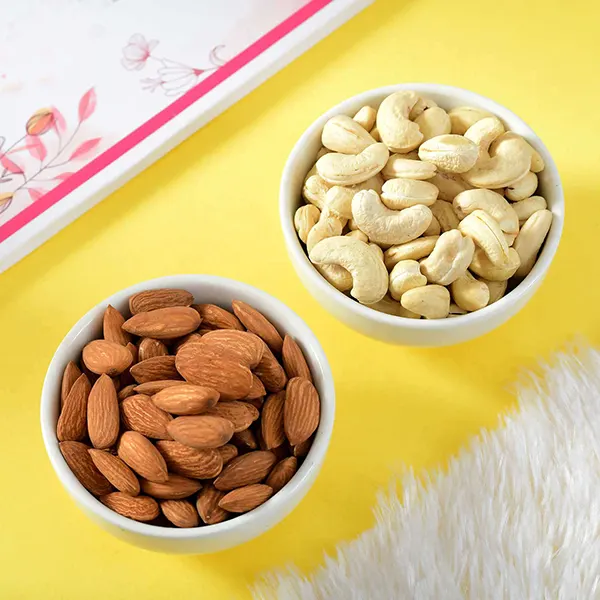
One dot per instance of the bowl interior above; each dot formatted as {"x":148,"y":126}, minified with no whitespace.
{"x":206,"y":289}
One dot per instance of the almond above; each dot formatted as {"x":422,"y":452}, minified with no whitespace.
{"x":257,"y":323}
{"x":91,"y":376}
{"x":116,"y":471}
{"x":111,"y":327}
{"x":191,"y":462}
{"x":302,"y":449}
{"x":140,"y":414}
{"x":157,"y":299}
{"x":256,"y":402}
{"x":208,"y":507}
{"x":186,"y":399}
{"x":203,"y":431}
{"x":149,"y":348}
{"x":116,"y":381}
{"x":101,"y":356}
{"x":245,"y":498}
{"x":270,"y":372}
{"x":272,"y":420}
{"x":153,"y":387}
{"x":239,"y":413}
{"x":245,"y":470}
{"x":227,"y":452}
{"x":72,"y":423}
{"x":164,"y":323}
{"x":181,"y":513}
{"x":215,"y":317}
{"x":281,"y":474}
{"x":175,"y":488}
{"x":140,"y":508}
{"x":189,"y":338}
{"x":158,"y":368}
{"x":139,"y":453}
{"x":245,"y":440}
{"x":135,"y":355}
{"x":70,"y":376}
{"x":79,"y":461}
{"x":103,"y":413}
{"x":126,"y":378}
{"x":257,"y":390}
{"x":302,"y":410}
{"x":240,"y":346}
{"x":128,"y":390}
{"x":293,"y":359}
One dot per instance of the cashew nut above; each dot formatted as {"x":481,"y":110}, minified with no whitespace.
{"x":497,"y":289}
{"x":359,"y":235}
{"x":469,"y":293}
{"x":525,"y":208}
{"x":305,"y":219}
{"x":530,"y":239}
{"x":482,"y":266}
{"x":510,"y":238}
{"x":377,"y":249}
{"x":449,"y":184}
{"x":422,"y":104}
{"x":385,"y":226}
{"x":315,"y":188}
{"x":375,"y":134}
{"x":365,"y":117}
{"x":369,"y":275}
{"x":329,"y":225}
{"x":490,"y":202}
{"x":399,"y":166}
{"x":392,"y":307}
{"x":463,"y":117}
{"x":486,"y":233}
{"x":434,"y":227}
{"x":444,"y":213}
{"x":509,"y":160}
{"x":352,"y":226}
{"x":429,"y":301}
{"x":337,"y":276}
{"x":343,"y":134}
{"x":450,"y":258}
{"x":537,"y":162}
{"x":450,"y":153}
{"x":338,"y":200}
{"x":347,"y":169}
{"x":433,"y":122}
{"x":483,"y":133}
{"x":402,"y":193}
{"x":419,"y":248}
{"x":322,"y":152}
{"x":396,"y":131}
{"x":522,"y":188}
{"x":405,"y":276}
{"x":456,"y":311}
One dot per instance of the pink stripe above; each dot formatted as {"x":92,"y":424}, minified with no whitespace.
{"x":161,"y":118}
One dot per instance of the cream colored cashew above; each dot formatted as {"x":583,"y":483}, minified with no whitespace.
{"x":429,"y":301}
{"x":419,"y":248}
{"x":322,"y":152}
{"x":537,"y":162}
{"x":497,"y":289}
{"x":444,"y":213}
{"x":329,"y":225}
{"x":402,"y":193}
{"x":377,"y":249}
{"x":482,"y":266}
{"x":483,"y":133}
{"x":469,"y":293}
{"x":450,"y":258}
{"x":369,"y":275}
{"x":463,"y":117}
{"x":359,"y":235}
{"x":450,"y":153}
{"x":509,"y":160}
{"x":347,"y":169}
{"x":405,"y":276}
{"x":338,"y":200}
{"x":490,"y":202}
{"x":396,"y":131}
{"x":525,"y":208}
{"x":343,"y":134}
{"x":305,"y":219}
{"x":434,"y":227}
{"x":449,"y":185}
{"x":337,"y":276}
{"x":315,"y":188}
{"x":486,"y":233}
{"x":365,"y":117}
{"x":522,"y":188}
{"x":433,"y":122}
{"x":375,"y":134}
{"x":399,"y":166}
{"x":385,"y":226}
{"x":392,"y":307}
{"x":422,"y":104}
{"x":530,"y":240}
{"x":455,"y":311}
{"x":510,"y":238}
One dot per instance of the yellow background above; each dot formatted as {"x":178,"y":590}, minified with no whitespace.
{"x":210,"y":206}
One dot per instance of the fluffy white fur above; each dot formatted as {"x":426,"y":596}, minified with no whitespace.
{"x":515,"y":516}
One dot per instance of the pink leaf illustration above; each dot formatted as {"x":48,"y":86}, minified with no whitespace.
{"x":9,"y":165}
{"x":87,"y":104}
{"x":35,"y":193}
{"x":36,"y":147}
{"x":59,"y":121}
{"x":85,"y":148}
{"x":64,"y":176}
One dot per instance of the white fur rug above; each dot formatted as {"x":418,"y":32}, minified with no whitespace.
{"x":516,"y":515}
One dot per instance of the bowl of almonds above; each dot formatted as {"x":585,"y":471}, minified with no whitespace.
{"x":421,"y":214}
{"x":188,"y":414}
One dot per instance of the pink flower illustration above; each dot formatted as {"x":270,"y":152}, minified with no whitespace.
{"x":137,"y":52}
{"x":177,"y":78}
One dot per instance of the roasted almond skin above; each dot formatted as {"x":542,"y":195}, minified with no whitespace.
{"x":141,"y":455}
{"x":294,"y":363}
{"x":103,"y":413}
{"x":81,"y":464}
{"x":215,"y":317}
{"x":164,"y":323}
{"x":157,"y":368}
{"x":153,"y":387}
{"x":128,"y":390}
{"x":186,"y":399}
{"x":245,"y":470}
{"x":257,"y":390}
{"x":271,"y":421}
{"x":282,"y":472}
{"x":201,"y":431}
{"x":246,"y":498}
{"x":140,"y":414}
{"x":156,"y":299}
{"x":175,"y":488}
{"x":245,"y":440}
{"x":191,"y":462}
{"x":70,"y":376}
{"x":112,"y":323}
{"x":257,"y":323}
{"x":227,"y":452}
{"x":242,"y":415}
{"x":270,"y":372}
{"x":181,"y":513}
{"x":116,"y":471}
{"x":207,"y":505}
{"x":139,"y":508}
{"x":150,"y":348}
{"x":104,"y":357}
{"x":302,"y":410}
{"x":72,"y":423}
{"x":300,"y":450}
{"x":240,"y":346}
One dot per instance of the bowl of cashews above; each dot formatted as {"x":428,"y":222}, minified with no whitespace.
{"x":421,"y":214}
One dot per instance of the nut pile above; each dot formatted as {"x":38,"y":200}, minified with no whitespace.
{"x":418,"y":212}
{"x":188,"y":410}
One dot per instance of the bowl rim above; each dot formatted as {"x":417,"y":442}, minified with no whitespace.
{"x":516,"y":295}
{"x":275,"y":505}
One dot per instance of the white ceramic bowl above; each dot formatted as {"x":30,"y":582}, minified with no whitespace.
{"x":399,"y":330}
{"x":215,"y":290}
